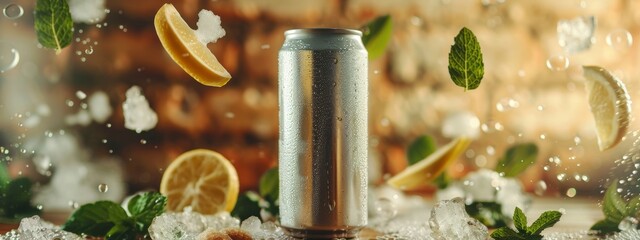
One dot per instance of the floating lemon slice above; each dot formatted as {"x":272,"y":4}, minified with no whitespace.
{"x":186,"y":50}
{"x":610,"y":105}
{"x":429,"y":168}
{"x":201,"y":179}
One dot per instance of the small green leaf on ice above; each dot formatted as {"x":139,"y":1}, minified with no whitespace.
{"x":546,"y":220}
{"x":466,"y":66}
{"x":53,"y":24}
{"x":376,"y":35}
{"x":520,"y":220}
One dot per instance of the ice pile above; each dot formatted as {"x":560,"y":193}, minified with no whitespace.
{"x":486,"y":185}
{"x":87,"y":11}
{"x":574,"y":35}
{"x":449,"y":220}
{"x":34,"y":228}
{"x":209,"y":29}
{"x":138,"y":115}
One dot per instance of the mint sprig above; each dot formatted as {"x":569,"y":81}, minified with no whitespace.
{"x":108,"y":219}
{"x":251,"y":203}
{"x":533,"y":232}
{"x":517,"y":159}
{"x":466,"y":66}
{"x":53,"y":24}
{"x":616,"y":209}
{"x":15,"y":197}
{"x":376,"y":36}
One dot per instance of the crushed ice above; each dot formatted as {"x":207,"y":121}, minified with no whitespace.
{"x":575,"y":35}
{"x":209,"y":28}
{"x":34,"y":228}
{"x":138,"y":115}
{"x":87,"y":11}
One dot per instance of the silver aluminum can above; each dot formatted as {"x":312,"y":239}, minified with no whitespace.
{"x":323,"y":91}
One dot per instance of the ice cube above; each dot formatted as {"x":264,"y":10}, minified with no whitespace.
{"x":209,"y":29}
{"x":169,"y":226}
{"x":460,"y":124}
{"x":449,"y":220}
{"x":188,"y":225}
{"x":138,"y":115}
{"x":481,"y":185}
{"x":87,"y":11}
{"x":34,"y":228}
{"x":99,"y":106}
{"x":575,"y":35}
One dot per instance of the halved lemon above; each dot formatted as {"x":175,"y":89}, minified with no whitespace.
{"x":183,"y":46}
{"x":201,"y":179}
{"x":421,"y":173}
{"x":610,"y":105}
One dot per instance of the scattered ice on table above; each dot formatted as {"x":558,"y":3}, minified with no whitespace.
{"x":258,"y":230}
{"x":630,"y":234}
{"x":209,"y":28}
{"x":574,"y":35}
{"x":87,"y":11}
{"x":461,"y":123}
{"x":99,"y":106}
{"x":449,"y":220}
{"x":187,"y":225}
{"x":581,"y":235}
{"x":34,"y":228}
{"x":138,"y":115}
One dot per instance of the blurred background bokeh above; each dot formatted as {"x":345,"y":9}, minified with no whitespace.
{"x":62,"y":124}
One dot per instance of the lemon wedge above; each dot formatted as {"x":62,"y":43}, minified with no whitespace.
{"x":610,"y":105}
{"x":429,"y":168}
{"x":182,"y":44}
{"x":201,"y":179}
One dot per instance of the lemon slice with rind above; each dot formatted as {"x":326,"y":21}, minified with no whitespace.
{"x":201,"y":179}
{"x":429,"y":168}
{"x":182,"y":44}
{"x":610,"y":105}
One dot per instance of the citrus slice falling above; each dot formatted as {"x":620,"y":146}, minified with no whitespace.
{"x":610,"y":105}
{"x":186,"y":50}
{"x":429,"y":168}
{"x":201,"y":179}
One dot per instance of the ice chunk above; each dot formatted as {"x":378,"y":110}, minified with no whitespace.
{"x":482,"y":185}
{"x":188,"y":225}
{"x":258,"y":230}
{"x":87,"y":11}
{"x":209,"y":28}
{"x":449,"y":220}
{"x":575,"y":35}
{"x":82,"y":118}
{"x":461,"y":123}
{"x":138,"y":115}
{"x":34,"y":228}
{"x":99,"y":106}
{"x":407,"y":229}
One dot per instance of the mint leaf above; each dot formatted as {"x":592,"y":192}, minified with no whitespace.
{"x":16,"y":201}
{"x":466,"y":66}
{"x":247,"y":205}
{"x":4,"y":176}
{"x":517,"y":159}
{"x":520,"y":220}
{"x":53,"y":24}
{"x":488,"y":213}
{"x":613,"y":206}
{"x":95,"y":219}
{"x":605,"y":226}
{"x":376,"y":35}
{"x":505,"y":233}
{"x":546,"y":220}
{"x":420,"y":149}
{"x":442,"y":181}
{"x":633,"y":208}
{"x":144,"y":207}
{"x":269,"y":185}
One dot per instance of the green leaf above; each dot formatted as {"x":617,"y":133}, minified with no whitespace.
{"x":53,"y":24}
{"x":95,"y":219}
{"x":4,"y":176}
{"x":442,"y":181}
{"x":466,"y":66}
{"x":144,"y":207}
{"x":488,"y":213}
{"x":420,"y":148}
{"x":517,"y":159}
{"x":17,"y":200}
{"x":269,"y":184}
{"x":247,"y":206}
{"x":376,"y":36}
{"x":613,"y":206}
{"x":505,"y":233}
{"x":633,"y":208}
{"x":605,"y":226}
{"x":546,"y":220}
{"x":520,"y":220}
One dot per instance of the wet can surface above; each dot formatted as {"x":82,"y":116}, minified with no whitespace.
{"x":323,"y":91}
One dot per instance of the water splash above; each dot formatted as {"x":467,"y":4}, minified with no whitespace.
{"x":13,"y":11}
{"x":9,"y":57}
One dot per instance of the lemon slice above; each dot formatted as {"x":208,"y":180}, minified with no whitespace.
{"x":610,"y":105}
{"x":186,"y":50}
{"x":201,"y":179}
{"x":429,"y":168}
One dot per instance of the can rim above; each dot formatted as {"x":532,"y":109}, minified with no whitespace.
{"x":339,"y":31}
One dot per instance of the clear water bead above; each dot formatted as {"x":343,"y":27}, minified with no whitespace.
{"x":13,"y":11}
{"x":619,"y":39}
{"x":102,"y":187}
{"x":575,"y":35}
{"x":540,"y":188}
{"x":628,"y":223}
{"x":9,"y":57}
{"x":557,"y":63}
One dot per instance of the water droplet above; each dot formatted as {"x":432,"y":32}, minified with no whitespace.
{"x":543,"y":137}
{"x":143,"y":141}
{"x":561,"y":177}
{"x":108,"y":125}
{"x":491,"y":150}
{"x":81,"y":95}
{"x":9,"y":57}
{"x":540,"y":108}
{"x":39,"y":206}
{"x":558,"y":63}
{"x":102,"y":187}
{"x":104,"y":141}
{"x":541,"y":188}
{"x":335,"y":61}
{"x":74,"y":204}
{"x":571,"y":192}
{"x":619,"y":39}
{"x":385,"y":208}
{"x":89,"y":50}
{"x":13,"y":11}
{"x":83,"y":59}
{"x":230,"y":115}
{"x":628,"y":223}
{"x":546,"y":167}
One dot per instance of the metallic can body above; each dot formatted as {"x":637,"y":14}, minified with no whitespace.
{"x":323,"y":91}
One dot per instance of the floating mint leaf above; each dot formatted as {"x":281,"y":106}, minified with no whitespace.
{"x":420,"y":149}
{"x":376,"y":35}
{"x":53,"y":24}
{"x":269,"y":185}
{"x":520,"y":220}
{"x":466,"y":66}
{"x":546,"y":220}
{"x":517,"y":159}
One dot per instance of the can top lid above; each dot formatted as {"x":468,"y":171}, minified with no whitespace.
{"x":322,"y":31}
